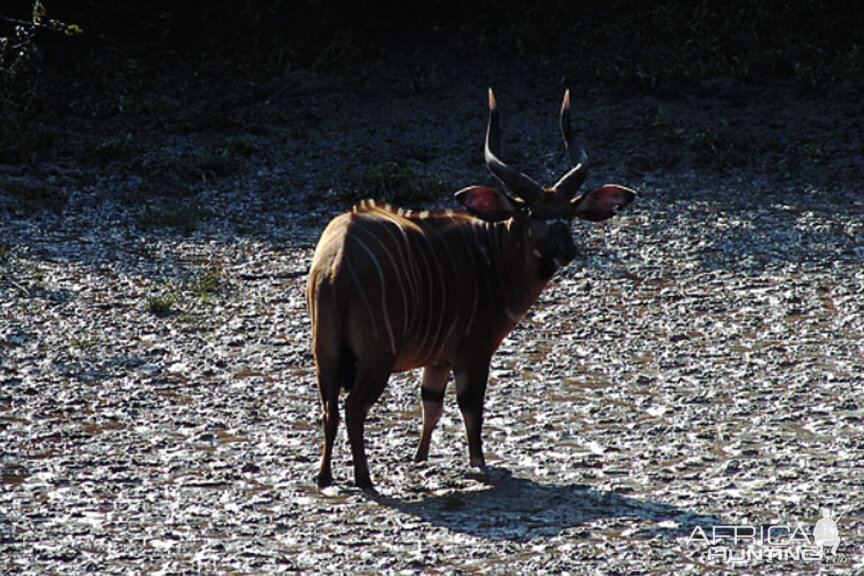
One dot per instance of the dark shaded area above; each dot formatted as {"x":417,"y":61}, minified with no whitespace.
{"x":631,"y":45}
{"x":180,"y":68}
{"x":522,"y":509}
{"x":638,"y":45}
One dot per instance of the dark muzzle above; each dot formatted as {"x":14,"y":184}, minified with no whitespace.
{"x":561,"y":248}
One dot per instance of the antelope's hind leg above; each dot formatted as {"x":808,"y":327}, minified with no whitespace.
{"x":334,"y":373}
{"x":372,"y":376}
{"x":432,"y":391}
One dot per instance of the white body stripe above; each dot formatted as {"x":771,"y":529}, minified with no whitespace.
{"x":396,"y":271}
{"x":456,"y":282}
{"x":408,"y":262}
{"x":469,"y":250}
{"x":443,"y":305}
{"x":359,"y":285}
{"x":386,"y":318}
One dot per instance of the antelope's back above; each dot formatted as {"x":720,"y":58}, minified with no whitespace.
{"x":386,"y":279}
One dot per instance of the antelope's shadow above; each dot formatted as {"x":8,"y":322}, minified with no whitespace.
{"x":521,"y":509}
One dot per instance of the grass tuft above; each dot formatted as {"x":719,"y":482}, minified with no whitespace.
{"x":183,"y":300}
{"x":179,"y":214}
{"x":161,"y":306}
{"x":397,"y":184}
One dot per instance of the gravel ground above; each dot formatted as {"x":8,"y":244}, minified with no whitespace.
{"x":699,"y":366}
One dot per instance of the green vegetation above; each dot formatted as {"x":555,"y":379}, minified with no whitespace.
{"x":21,"y":45}
{"x":206,"y":285}
{"x":184,"y":300}
{"x":179,"y":214}
{"x":162,"y":305}
{"x":220,"y":159}
{"x":82,"y":343}
{"x":397,"y":184}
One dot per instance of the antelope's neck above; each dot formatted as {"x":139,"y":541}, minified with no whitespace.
{"x":520,"y":273}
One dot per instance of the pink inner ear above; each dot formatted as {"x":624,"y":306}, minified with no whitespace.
{"x":604,"y":202}
{"x":486,"y":203}
{"x":483,"y":198}
{"x":608,"y":197}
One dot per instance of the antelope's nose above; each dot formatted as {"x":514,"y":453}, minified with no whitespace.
{"x":566,"y":253}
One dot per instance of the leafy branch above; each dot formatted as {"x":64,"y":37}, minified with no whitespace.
{"x":20,"y":47}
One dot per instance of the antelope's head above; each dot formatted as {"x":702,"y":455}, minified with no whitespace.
{"x":547,"y":212}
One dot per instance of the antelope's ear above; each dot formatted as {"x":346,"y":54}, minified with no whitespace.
{"x":602,"y":203}
{"x":486,"y":203}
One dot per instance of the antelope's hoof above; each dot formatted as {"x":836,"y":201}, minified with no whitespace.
{"x":324,"y":480}
{"x":364,"y":482}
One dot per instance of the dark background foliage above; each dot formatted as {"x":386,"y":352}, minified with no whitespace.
{"x":644,"y":44}
{"x":183,"y":63}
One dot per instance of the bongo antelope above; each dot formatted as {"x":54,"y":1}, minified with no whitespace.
{"x":391,"y":290}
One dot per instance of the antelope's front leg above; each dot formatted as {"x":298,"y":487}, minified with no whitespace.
{"x":432,"y":390}
{"x":470,"y":393}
